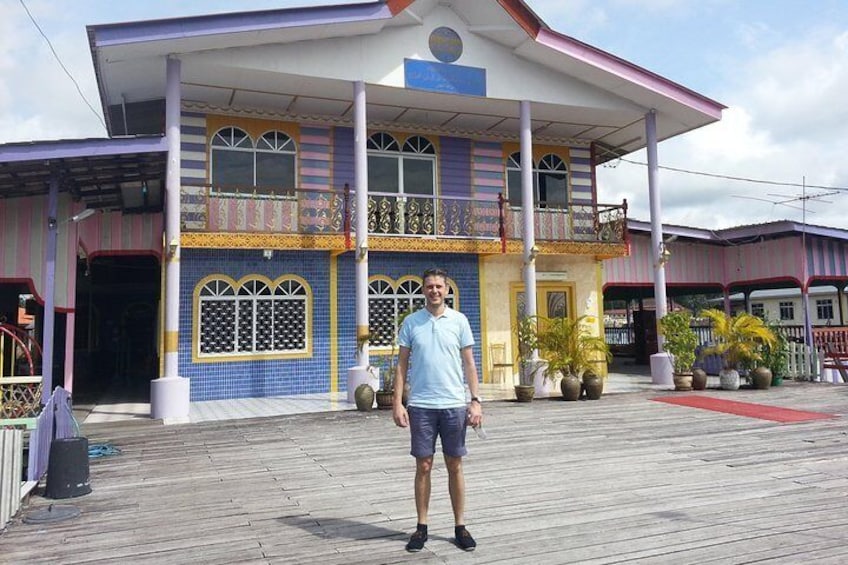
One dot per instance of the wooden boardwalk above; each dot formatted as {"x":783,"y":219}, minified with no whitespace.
{"x":620,"y":480}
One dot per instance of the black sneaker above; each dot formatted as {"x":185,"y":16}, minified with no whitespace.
{"x":416,"y":541}
{"x":464,"y":539}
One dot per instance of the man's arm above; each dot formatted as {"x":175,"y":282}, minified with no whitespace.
{"x":469,"y":367}
{"x":399,"y":414}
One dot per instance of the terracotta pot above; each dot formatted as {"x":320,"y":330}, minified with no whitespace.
{"x":683,"y":381}
{"x":364,"y":397}
{"x":384,"y":399}
{"x":593,"y":385}
{"x":699,"y":379}
{"x":761,"y":377}
{"x":570,"y":387}
{"x":524,"y":393}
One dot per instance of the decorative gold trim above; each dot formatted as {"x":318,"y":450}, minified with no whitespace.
{"x":336,"y":243}
{"x":172,"y":340}
{"x":224,"y":240}
{"x":334,"y":323}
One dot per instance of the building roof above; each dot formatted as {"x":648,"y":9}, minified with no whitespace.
{"x":118,"y":174}
{"x":742,"y":234}
{"x":272,"y":61}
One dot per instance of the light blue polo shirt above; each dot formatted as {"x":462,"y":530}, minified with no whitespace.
{"x":435,"y":372}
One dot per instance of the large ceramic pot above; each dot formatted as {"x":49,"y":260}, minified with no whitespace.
{"x":364,"y":397}
{"x":682,"y":381}
{"x":761,"y":377}
{"x":570,"y":387}
{"x":699,"y":379}
{"x":593,"y":385}
{"x":729,"y":379}
{"x":525,"y":393}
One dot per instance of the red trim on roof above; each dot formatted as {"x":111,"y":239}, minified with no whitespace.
{"x":523,"y":16}
{"x":398,"y":6}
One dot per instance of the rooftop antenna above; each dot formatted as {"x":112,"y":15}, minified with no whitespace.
{"x":785,"y":201}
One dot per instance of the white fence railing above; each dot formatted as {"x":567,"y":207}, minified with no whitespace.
{"x":804,"y":363}
{"x":11,"y":473}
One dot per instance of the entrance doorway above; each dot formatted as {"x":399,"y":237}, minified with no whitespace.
{"x":553,"y":300}
{"x":116,"y":331}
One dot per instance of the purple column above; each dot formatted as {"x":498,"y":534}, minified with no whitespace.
{"x":656,"y":219}
{"x":528,"y":207}
{"x":49,"y":290}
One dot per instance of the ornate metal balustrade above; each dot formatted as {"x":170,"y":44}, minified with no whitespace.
{"x":331,"y":212}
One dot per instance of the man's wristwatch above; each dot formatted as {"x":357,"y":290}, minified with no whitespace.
{"x":477,"y":399}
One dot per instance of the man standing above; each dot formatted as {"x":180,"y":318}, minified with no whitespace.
{"x":435,"y":354}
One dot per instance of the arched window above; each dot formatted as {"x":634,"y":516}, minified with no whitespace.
{"x":275,"y":166}
{"x":232,"y":159}
{"x":408,"y":169}
{"x":253,"y":317}
{"x":268,"y":167}
{"x":550,"y":181}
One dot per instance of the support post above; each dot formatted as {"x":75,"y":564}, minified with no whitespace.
{"x":661,"y":372}
{"x":360,"y":168}
{"x":170,"y":394}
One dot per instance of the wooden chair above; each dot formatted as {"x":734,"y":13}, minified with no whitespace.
{"x":499,"y":365}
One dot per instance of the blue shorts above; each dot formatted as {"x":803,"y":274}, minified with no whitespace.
{"x":449,"y":424}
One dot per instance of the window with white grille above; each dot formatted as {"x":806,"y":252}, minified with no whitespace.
{"x":787,"y":311}
{"x":237,"y":164}
{"x":252,"y":317}
{"x":824,"y":309}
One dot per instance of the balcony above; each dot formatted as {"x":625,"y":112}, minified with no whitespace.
{"x":326,"y":219}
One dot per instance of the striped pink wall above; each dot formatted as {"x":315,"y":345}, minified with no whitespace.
{"x":697,"y":263}
{"x":24,"y":228}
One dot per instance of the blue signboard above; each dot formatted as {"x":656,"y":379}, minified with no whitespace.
{"x":441,"y":77}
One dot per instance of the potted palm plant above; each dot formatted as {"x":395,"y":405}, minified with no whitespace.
{"x":739,"y":339}
{"x":776,"y":358}
{"x":570,"y":350}
{"x":680,"y":341}
{"x":528,"y":363}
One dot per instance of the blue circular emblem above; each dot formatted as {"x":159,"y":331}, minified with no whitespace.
{"x":445,"y":44}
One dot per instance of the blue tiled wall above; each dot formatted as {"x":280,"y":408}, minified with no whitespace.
{"x":280,"y":377}
{"x":246,"y":379}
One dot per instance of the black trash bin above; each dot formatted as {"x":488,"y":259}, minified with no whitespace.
{"x":67,"y":470}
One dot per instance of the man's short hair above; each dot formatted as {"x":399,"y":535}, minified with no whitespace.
{"x":435,"y":272}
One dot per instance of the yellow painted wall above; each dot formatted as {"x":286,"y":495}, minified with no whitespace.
{"x":497,"y":272}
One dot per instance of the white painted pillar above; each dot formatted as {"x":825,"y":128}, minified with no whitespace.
{"x":360,"y":167}
{"x":661,"y":369}
{"x":528,"y":209}
{"x":170,"y":394}
{"x":656,"y":218}
{"x":49,"y":325}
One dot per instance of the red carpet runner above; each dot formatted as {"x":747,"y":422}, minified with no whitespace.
{"x":749,"y":409}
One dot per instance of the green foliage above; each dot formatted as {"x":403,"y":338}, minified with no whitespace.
{"x":740,"y":338}
{"x":568,"y":346}
{"x":526,"y":332}
{"x":388,"y":368}
{"x":680,"y":339}
{"x":776,"y":357}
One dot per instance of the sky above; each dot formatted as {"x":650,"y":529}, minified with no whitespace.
{"x":780,"y":67}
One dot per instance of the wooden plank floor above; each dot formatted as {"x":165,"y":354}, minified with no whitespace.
{"x":620,"y":480}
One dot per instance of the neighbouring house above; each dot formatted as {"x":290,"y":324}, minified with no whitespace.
{"x":276,"y":182}
{"x":766,"y":269}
